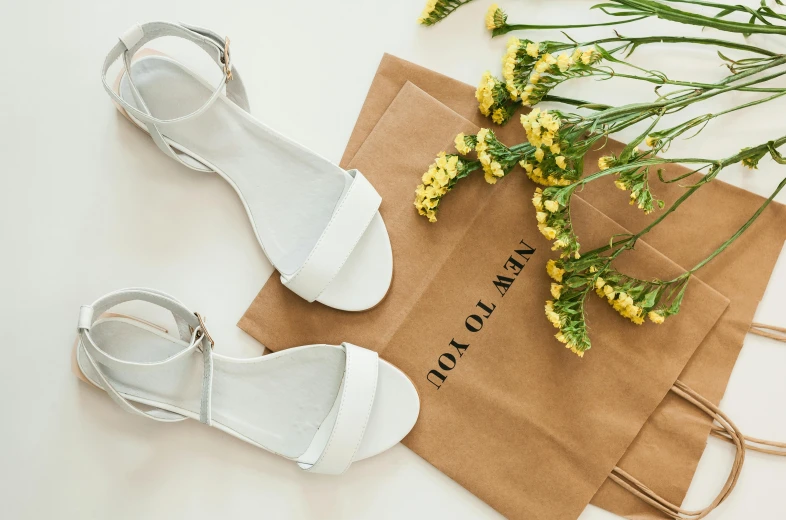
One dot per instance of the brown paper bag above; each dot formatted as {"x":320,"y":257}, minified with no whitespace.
{"x":506,"y":412}
{"x":677,"y":428}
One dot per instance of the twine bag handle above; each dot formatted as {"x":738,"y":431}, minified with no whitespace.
{"x":726,"y":430}
{"x":752,"y":443}
{"x":731,"y":433}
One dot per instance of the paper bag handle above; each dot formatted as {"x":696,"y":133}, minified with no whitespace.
{"x":731,"y":433}
{"x":752,"y":443}
{"x":727,"y":431}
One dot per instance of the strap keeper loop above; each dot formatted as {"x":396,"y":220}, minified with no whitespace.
{"x":132,"y":36}
{"x":85,"y":318}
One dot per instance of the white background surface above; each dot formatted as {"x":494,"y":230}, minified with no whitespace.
{"x":89,"y":205}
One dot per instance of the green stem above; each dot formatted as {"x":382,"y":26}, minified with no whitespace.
{"x":740,"y":231}
{"x":665,"y":12}
{"x":522,"y":27}
{"x":575,"y":102}
{"x":679,"y":39}
{"x":661,"y":81}
{"x":628,"y":243}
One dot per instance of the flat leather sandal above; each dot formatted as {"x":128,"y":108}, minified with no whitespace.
{"x":317,"y":224}
{"x":322,"y":406}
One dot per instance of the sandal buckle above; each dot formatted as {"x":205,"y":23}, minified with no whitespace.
{"x":203,"y":332}
{"x":226,"y":60}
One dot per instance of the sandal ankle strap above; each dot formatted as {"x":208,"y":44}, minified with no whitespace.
{"x":214,"y":45}
{"x":189,"y":324}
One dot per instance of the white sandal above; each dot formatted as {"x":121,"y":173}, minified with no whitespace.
{"x":322,"y":406}
{"x":317,"y":224}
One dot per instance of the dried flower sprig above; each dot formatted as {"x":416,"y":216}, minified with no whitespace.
{"x":440,"y":178}
{"x":437,"y":10}
{"x":558,"y":142}
{"x":762,"y":21}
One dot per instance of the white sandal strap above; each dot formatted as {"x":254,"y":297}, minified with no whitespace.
{"x":216,"y":47}
{"x":345,"y":229}
{"x":350,"y":414}
{"x":89,"y":314}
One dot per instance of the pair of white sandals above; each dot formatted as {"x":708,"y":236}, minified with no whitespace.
{"x":323,"y":406}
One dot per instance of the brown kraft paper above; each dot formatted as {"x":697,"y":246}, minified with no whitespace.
{"x":533,"y":430}
{"x":712,"y":215}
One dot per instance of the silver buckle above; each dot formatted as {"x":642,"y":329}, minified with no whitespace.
{"x":203,"y":332}
{"x":226,"y":60}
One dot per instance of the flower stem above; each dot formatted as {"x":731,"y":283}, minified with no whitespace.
{"x":665,"y":12}
{"x":522,"y":27}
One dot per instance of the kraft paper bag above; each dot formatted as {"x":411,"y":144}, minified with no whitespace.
{"x":669,"y":446}
{"x":506,"y":411}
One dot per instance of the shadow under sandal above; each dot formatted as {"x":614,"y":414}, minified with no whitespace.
{"x":322,"y":406}
{"x":318,"y":225}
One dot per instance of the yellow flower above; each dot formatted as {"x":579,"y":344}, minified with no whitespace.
{"x":553,"y":271}
{"x":551,"y":205}
{"x":442,"y":177}
{"x":541,"y":217}
{"x":651,"y":141}
{"x":533,"y":49}
{"x":599,"y":282}
{"x":461,"y":145}
{"x":498,"y":116}
{"x":561,"y":337}
{"x":482,"y":133}
{"x":430,"y":6}
{"x":538,"y":198}
{"x":490,"y":178}
{"x":556,"y":290}
{"x":656,"y":317}
{"x":548,"y":232}
{"x":534,"y":78}
{"x":539,"y":153}
{"x":509,"y":66}
{"x":432,"y":217}
{"x":608,"y":290}
{"x":587,"y":57}
{"x":554,"y":148}
{"x":564,"y":62}
{"x":551,"y":315}
{"x":496,"y":169}
{"x":560,"y":160}
{"x":495,"y":17}
{"x":526,"y":165}
{"x":540,"y":66}
{"x":620,"y":184}
{"x":548,"y":121}
{"x":485,"y":93}
{"x":604,"y":163}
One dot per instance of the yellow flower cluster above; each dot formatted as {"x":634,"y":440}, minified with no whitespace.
{"x":492,"y":169}
{"x":485,"y":93}
{"x":431,"y":5}
{"x":557,"y":321}
{"x":509,"y":67}
{"x":542,"y":208}
{"x":621,"y":301}
{"x":495,"y":17}
{"x":554,"y":271}
{"x":541,"y":128}
{"x":461,"y":144}
{"x":435,"y":183}
{"x":606,"y":162}
{"x":586,"y":56}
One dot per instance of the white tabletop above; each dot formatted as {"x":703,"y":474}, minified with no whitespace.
{"x":88,"y":205}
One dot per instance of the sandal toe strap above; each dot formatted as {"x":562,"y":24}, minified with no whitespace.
{"x":342,"y":233}
{"x":343,"y":429}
